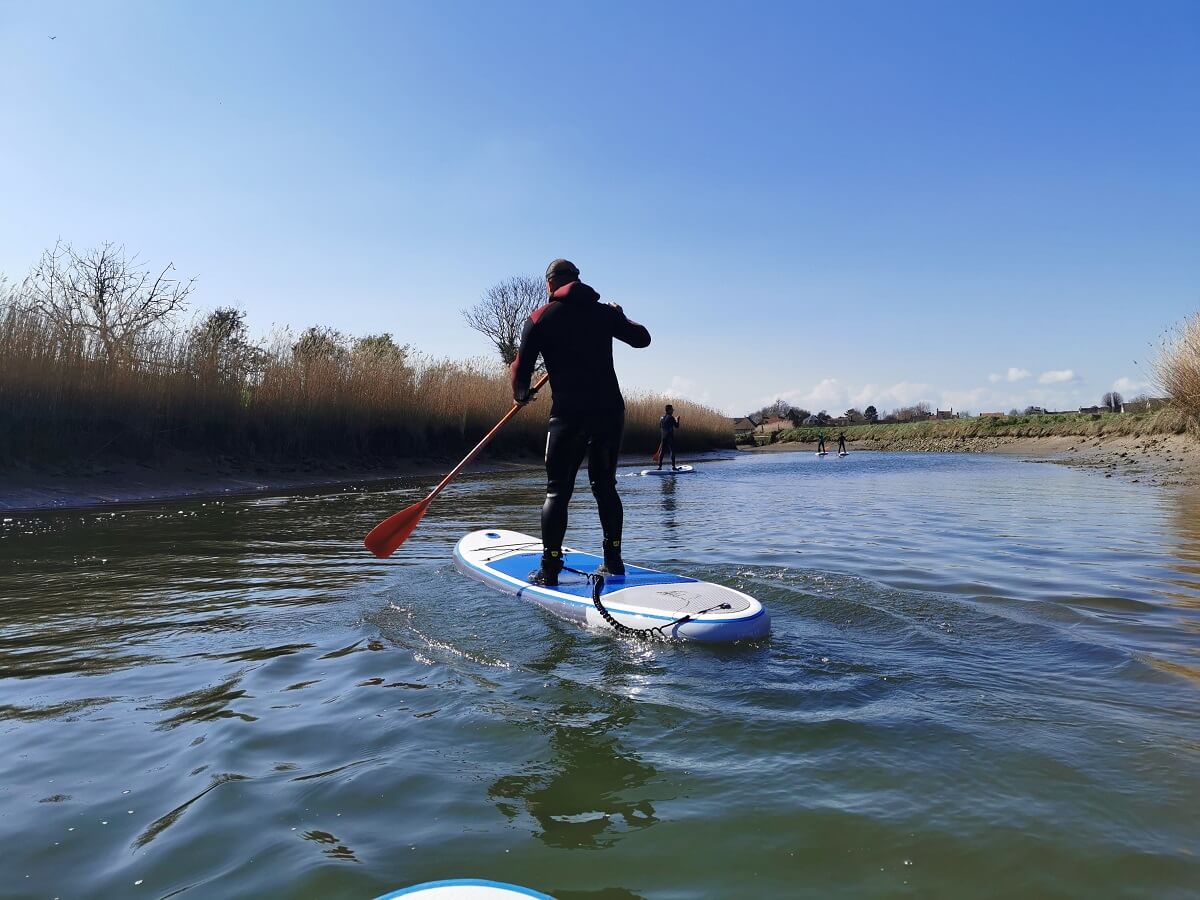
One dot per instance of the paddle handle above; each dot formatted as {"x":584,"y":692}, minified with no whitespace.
{"x":516,"y":407}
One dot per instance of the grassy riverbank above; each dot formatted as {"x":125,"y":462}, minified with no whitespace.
{"x":318,"y":396}
{"x":982,"y":434}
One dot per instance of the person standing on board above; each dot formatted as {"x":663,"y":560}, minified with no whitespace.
{"x":573,"y":333}
{"x":666,"y":426}
{"x":820,"y":442}
{"x":841,"y":442}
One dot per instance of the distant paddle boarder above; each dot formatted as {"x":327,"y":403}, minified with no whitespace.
{"x":667,"y":426}
{"x":821,"y":442}
{"x":573,"y":333}
{"x":841,"y":442}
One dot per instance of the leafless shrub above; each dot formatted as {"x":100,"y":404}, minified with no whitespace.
{"x":501,"y":312}
{"x":103,"y":297}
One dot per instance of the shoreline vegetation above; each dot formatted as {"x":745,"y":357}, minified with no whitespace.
{"x":100,"y":373}
{"x":980,"y":434}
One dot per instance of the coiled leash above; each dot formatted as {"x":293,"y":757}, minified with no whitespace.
{"x":651,"y":633}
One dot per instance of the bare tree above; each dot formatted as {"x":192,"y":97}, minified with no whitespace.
{"x":501,"y":312}
{"x":1112,"y":401}
{"x":103,"y":295}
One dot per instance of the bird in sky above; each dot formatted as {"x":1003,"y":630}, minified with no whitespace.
{"x":53,"y":37}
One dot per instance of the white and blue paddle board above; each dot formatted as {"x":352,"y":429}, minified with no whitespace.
{"x":465,"y":889}
{"x":678,"y":470}
{"x":843,"y":454}
{"x":641,"y":598}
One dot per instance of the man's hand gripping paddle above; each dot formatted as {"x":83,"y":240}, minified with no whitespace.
{"x":395,"y":529}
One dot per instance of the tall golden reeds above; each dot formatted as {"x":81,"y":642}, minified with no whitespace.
{"x":1177,"y":366}
{"x":321,"y":396}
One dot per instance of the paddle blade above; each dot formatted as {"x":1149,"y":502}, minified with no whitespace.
{"x":657,"y":457}
{"x":395,"y":529}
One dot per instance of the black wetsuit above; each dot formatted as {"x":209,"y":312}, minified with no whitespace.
{"x":573,"y":333}
{"x":666,"y":426}
{"x":841,"y":443}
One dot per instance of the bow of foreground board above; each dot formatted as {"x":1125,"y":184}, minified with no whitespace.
{"x":678,"y":470}
{"x":642,"y":598}
{"x":465,"y":889}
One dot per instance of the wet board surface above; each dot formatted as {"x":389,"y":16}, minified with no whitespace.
{"x":642,"y":598}
{"x":465,"y":889}
{"x":678,"y":470}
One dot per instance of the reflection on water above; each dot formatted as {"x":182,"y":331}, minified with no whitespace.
{"x":983,"y":681}
{"x":588,"y":791}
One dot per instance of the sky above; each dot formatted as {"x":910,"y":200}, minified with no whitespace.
{"x":980,"y":205}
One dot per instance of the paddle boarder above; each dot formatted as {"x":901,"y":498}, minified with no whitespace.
{"x":666,"y":426}
{"x":821,"y":442}
{"x":841,"y":442}
{"x":573,"y":333}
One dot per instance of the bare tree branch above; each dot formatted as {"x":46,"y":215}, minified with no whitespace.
{"x":501,"y":313}
{"x":105,"y":295}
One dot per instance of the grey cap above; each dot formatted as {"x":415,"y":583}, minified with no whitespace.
{"x":562,"y":270}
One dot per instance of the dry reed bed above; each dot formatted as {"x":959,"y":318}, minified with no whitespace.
{"x":1177,"y":367}
{"x":61,"y":400}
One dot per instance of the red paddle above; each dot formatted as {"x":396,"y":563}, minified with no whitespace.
{"x":395,"y":529}
{"x":657,"y":457}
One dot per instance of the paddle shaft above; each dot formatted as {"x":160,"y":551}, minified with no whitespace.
{"x":395,"y":529}
{"x":516,"y":408}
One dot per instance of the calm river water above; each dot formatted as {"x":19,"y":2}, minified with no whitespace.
{"x":984,"y":681}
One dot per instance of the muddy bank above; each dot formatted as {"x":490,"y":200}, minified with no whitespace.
{"x":99,"y":483}
{"x":1165,"y":459}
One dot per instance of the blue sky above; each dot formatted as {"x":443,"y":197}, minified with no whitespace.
{"x":974,"y":204}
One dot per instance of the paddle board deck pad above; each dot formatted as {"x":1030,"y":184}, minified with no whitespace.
{"x":678,"y":470}
{"x":465,"y":889}
{"x":641,"y":598}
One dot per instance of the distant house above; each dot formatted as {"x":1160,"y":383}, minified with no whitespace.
{"x":811,"y":422}
{"x":1094,"y":410}
{"x":771,"y":424}
{"x":743,"y":426}
{"x":947,"y":413}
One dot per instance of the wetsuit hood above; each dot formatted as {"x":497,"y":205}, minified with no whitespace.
{"x":576,"y":292}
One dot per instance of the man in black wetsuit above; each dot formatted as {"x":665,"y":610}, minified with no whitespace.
{"x":573,"y":333}
{"x":841,"y":442}
{"x":666,"y":426}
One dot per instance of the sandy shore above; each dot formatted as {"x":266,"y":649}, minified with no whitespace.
{"x":1164,"y":459}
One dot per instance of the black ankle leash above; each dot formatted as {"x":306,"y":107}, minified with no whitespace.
{"x":651,"y":633}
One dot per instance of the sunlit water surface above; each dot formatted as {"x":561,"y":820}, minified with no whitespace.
{"x":983,"y":681}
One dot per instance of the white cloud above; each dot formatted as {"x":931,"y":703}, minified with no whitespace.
{"x":681,"y":387}
{"x":1057,"y":376}
{"x":833,"y":396}
{"x":973,"y":400}
{"x":1129,"y":386}
{"x":1011,"y":376}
